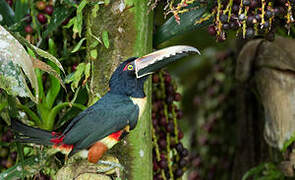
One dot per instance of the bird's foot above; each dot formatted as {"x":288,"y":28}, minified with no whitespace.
{"x":110,"y":166}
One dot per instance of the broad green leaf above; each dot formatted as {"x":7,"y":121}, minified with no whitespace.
{"x":6,"y":14}
{"x":48,"y":56}
{"x":93,"y":54}
{"x":60,"y":14}
{"x":94,"y":10}
{"x":13,"y":58}
{"x":87,"y":71}
{"x":77,"y":47}
{"x":105,"y":39}
{"x":171,"y":28}
{"x":39,"y":51}
{"x":21,"y":9}
{"x":54,"y":83}
{"x":79,"y":19}
{"x":75,"y":77}
{"x":45,"y":67}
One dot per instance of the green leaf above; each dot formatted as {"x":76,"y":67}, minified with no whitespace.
{"x":17,"y":171}
{"x":45,"y":67}
{"x":93,"y":54}
{"x":54,"y":82}
{"x":79,"y":19}
{"x":94,"y":10}
{"x":6,"y":13}
{"x":21,"y":9}
{"x":75,"y":77}
{"x":93,"y":45}
{"x":13,"y":58}
{"x":60,"y":14}
{"x":171,"y":28}
{"x":48,"y":56}
{"x":105,"y":39}
{"x":39,"y":51}
{"x":77,"y":47}
{"x":288,"y":143}
{"x":254,"y":171}
{"x":87,"y":71}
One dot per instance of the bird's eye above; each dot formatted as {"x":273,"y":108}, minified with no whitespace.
{"x":130,"y":67}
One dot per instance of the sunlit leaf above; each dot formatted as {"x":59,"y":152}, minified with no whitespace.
{"x":13,"y":57}
{"x":75,"y":77}
{"x":39,"y":51}
{"x":79,"y":19}
{"x":105,"y":39}
{"x":48,"y":56}
{"x":45,"y":67}
{"x":77,"y":47}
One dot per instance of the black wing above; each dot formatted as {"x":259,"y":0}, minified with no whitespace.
{"x":110,"y":114}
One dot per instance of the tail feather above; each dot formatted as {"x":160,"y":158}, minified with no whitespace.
{"x":30,"y":134}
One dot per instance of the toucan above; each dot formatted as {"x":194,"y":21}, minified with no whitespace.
{"x":102,"y":125}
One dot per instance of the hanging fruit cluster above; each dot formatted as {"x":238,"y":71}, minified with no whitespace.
{"x":212,"y":140}
{"x":7,"y":155}
{"x":251,"y":17}
{"x":169,"y":155}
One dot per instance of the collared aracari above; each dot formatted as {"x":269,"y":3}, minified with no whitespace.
{"x":102,"y":125}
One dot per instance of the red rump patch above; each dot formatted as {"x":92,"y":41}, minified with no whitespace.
{"x":116,"y":135}
{"x":58,"y":142}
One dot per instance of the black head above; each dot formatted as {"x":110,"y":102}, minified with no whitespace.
{"x":129,"y":77}
{"x":125,"y":82}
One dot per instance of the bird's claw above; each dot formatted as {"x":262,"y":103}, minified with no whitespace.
{"x":111,"y":166}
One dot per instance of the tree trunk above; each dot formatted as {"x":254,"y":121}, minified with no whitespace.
{"x":129,"y":29}
{"x":266,"y":104}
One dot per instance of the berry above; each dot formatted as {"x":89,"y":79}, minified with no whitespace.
{"x":163,"y":164}
{"x":49,"y":10}
{"x":268,"y":14}
{"x":246,"y":2}
{"x":178,"y":173}
{"x":179,"y":147}
{"x":253,"y":4}
{"x":249,"y":33}
{"x":168,"y":79}
{"x":13,"y":155}
{"x":41,"y":18}
{"x":223,"y":18}
{"x":184,"y":152}
{"x":180,"y":134}
{"x":9,"y":2}
{"x":29,"y":29}
{"x":177,"y":97}
{"x":162,"y":143}
{"x":170,"y":127}
{"x":226,"y":26}
{"x":40,"y":5}
{"x":28,"y":18}
{"x":182,"y":163}
{"x":212,"y":30}
{"x":156,"y":78}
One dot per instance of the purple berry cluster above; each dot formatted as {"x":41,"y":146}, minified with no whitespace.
{"x":7,"y":155}
{"x":170,"y":157}
{"x":212,"y":140}
{"x":250,"y":18}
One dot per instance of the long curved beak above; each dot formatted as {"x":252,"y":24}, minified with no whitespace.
{"x":154,"y":61}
